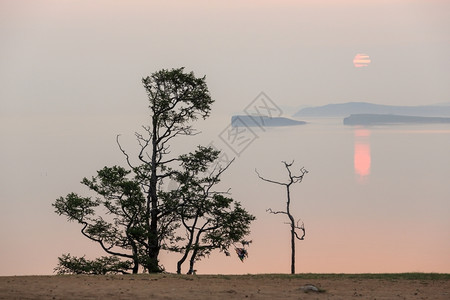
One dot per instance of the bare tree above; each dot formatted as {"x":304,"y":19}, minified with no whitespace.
{"x":295,"y":226}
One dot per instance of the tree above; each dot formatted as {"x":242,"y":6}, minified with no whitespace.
{"x":294,"y":226}
{"x":144,"y":218}
{"x":132,"y":218}
{"x":211,"y":219}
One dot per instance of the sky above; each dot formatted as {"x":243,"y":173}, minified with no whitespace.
{"x":70,"y":80}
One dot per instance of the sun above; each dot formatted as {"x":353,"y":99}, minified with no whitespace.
{"x":361,"y":60}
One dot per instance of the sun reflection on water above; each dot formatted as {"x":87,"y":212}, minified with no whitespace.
{"x":362,"y":158}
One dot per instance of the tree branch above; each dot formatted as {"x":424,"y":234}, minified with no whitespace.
{"x":268,"y":180}
{"x":124,"y":152}
{"x":302,"y":228}
{"x":107,"y":250}
{"x":269,"y":210}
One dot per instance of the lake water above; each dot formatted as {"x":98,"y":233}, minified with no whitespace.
{"x":375,"y":199}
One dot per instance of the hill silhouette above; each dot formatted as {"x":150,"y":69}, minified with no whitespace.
{"x":374,"y":119}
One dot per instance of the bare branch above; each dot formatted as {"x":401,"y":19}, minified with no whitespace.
{"x":124,"y":152}
{"x":302,"y":228}
{"x":268,"y":180}
{"x":269,"y":210}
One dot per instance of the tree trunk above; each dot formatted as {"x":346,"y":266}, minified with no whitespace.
{"x":194,"y":253}
{"x":192,"y":262}
{"x":152,"y":201}
{"x":153,"y":238}
{"x":135,"y":258}
{"x":135,"y":266}
{"x":291,"y":218}
{"x":152,"y":263}
{"x":183,"y":259}
{"x":292,"y":250}
{"x":189,"y":245}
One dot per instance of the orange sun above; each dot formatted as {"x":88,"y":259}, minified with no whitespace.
{"x":361,"y":60}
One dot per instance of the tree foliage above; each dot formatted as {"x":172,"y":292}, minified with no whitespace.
{"x":122,"y":201}
{"x":211,"y":219}
{"x":79,"y":265}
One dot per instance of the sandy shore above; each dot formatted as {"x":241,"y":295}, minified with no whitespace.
{"x":166,"y":286}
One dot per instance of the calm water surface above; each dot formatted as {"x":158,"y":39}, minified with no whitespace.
{"x":376,"y":199}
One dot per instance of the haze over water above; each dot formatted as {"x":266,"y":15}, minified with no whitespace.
{"x":376,"y":202}
{"x":375,"y":199}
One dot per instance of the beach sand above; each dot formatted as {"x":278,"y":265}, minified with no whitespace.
{"x":168,"y":286}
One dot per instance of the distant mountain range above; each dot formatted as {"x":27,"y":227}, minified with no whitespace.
{"x":262,"y":121}
{"x":352,"y":108}
{"x":374,"y":119}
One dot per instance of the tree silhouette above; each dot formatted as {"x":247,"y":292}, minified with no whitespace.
{"x":141,"y":219}
{"x":295,"y":226}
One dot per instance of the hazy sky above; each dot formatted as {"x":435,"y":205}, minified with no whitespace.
{"x":70,"y":74}
{"x":77,"y":57}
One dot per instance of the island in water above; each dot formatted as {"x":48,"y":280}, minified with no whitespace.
{"x":351,"y":108}
{"x":263,"y":121}
{"x":386,"y":119}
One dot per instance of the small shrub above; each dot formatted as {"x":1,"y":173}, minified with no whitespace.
{"x":80,"y":265}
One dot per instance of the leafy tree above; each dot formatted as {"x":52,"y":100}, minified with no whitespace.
{"x":294,"y":226}
{"x":134,"y":218}
{"x":210,"y":218}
